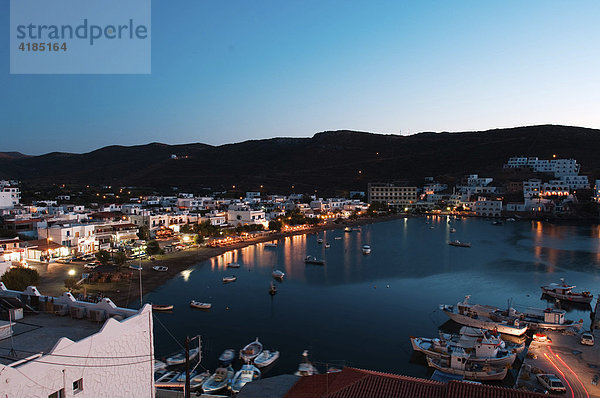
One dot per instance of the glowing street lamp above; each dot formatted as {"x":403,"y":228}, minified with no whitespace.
{"x":71,"y":272}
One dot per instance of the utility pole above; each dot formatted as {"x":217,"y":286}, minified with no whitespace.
{"x":187,"y":367}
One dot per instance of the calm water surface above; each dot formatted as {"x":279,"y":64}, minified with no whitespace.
{"x":362,"y":309}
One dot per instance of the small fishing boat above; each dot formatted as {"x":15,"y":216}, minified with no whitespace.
{"x":247,"y":374}
{"x":496,"y":222}
{"x":347,"y":229}
{"x":199,"y":305}
{"x":227,"y":356}
{"x":306,"y":368}
{"x":313,"y":260}
{"x":327,"y":245}
{"x":272,"y":289}
{"x":179,"y":358}
{"x":233,"y":265}
{"x":270,"y":245}
{"x":162,"y":307}
{"x":320,"y":240}
{"x":266,"y":358}
{"x":452,"y":230}
{"x":180,"y":377}
{"x":458,"y":243}
{"x":229,"y":279}
{"x":338,"y":238}
{"x":277,"y":274}
{"x":197,"y":381}
{"x":218,"y":380}
{"x":366,"y":249}
{"x":251,"y":350}
{"x":562,"y":291}
{"x":485,"y":350}
{"x":160,"y":268}
{"x":459,"y":364}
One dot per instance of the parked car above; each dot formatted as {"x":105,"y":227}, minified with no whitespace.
{"x":587,"y":339}
{"x":91,"y":265}
{"x":135,"y":267}
{"x":63,"y":260}
{"x":551,"y":382}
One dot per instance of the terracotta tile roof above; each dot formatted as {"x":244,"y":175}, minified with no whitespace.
{"x":359,"y":383}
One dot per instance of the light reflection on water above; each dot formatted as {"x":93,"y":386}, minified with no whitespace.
{"x":345,"y":309}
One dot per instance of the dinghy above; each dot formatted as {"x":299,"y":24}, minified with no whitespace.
{"x":227,"y":356}
{"x":266,"y":358}
{"x":247,"y":374}
{"x":199,"y":305}
{"x":218,"y":380}
{"x":251,"y":350}
{"x":179,"y":358}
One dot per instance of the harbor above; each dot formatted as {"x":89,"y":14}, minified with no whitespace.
{"x":504,"y":268}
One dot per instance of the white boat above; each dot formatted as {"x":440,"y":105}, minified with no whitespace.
{"x":266,"y":358}
{"x":313,"y":260}
{"x":251,"y":350}
{"x":162,"y":307}
{"x":179,"y":358}
{"x":338,"y":238}
{"x":458,"y":243}
{"x":233,"y":265}
{"x":159,"y":365}
{"x":452,"y":230}
{"x":483,"y":350}
{"x":320,"y":240}
{"x":459,"y":364}
{"x":197,"y":381}
{"x":227,"y":356}
{"x":469,"y":336}
{"x":327,"y":245}
{"x":218,"y":380}
{"x":245,"y":375}
{"x":160,"y":268}
{"x":306,"y":368}
{"x":537,"y":318}
{"x":562,"y":291}
{"x":270,"y":244}
{"x":230,"y":278}
{"x":366,"y":249}
{"x":478,"y":316}
{"x":277,"y":274}
{"x":200,"y":305}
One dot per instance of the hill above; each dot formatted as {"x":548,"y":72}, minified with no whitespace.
{"x":328,"y":162}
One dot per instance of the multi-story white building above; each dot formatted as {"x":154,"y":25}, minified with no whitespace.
{"x":484,"y":207}
{"x":89,"y":237}
{"x":72,"y":348}
{"x":9,"y":197}
{"x":559,"y":167}
{"x":532,"y":188}
{"x":238,"y":215}
{"x":392,"y":195}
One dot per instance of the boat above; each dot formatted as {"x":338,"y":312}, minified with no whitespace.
{"x":459,"y":364}
{"x":245,"y":375}
{"x":452,"y":230}
{"x":458,"y":243}
{"x":163,"y":375}
{"x":266,"y":358}
{"x":197,"y":381}
{"x":218,"y":380}
{"x":338,"y":238}
{"x":320,"y":240}
{"x":537,"y":318}
{"x":199,"y":305}
{"x":306,"y":368}
{"x":270,"y":244}
{"x":347,"y":229}
{"x":313,"y":260}
{"x":479,"y":316}
{"x":160,"y":268}
{"x":233,"y":265}
{"x":159,"y":365}
{"x":496,"y":222}
{"x":227,"y":356}
{"x":483,"y":350}
{"x":180,"y":377}
{"x":327,"y":245}
{"x":179,"y":358}
{"x":277,"y":274}
{"x":366,"y":249}
{"x":162,"y":307}
{"x":469,"y":336}
{"x":510,"y":219}
{"x":272,"y":289}
{"x":562,"y":291}
{"x":228,"y":279}
{"x":251,"y":350}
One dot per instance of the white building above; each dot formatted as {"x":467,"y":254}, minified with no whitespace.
{"x":487,"y":208}
{"x":238,"y":215}
{"x":532,"y":188}
{"x":559,"y":167}
{"x":76,"y":349}
{"x":392,"y":195}
{"x":9,"y":197}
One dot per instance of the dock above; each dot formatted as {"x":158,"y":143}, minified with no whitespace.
{"x":566,"y":357}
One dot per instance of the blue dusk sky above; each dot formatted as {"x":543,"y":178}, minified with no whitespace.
{"x":229,"y":71}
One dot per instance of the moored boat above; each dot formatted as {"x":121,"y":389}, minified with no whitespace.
{"x":233,"y":265}
{"x":227,"y":356}
{"x":320,"y":240}
{"x":251,"y":350}
{"x":347,"y":229}
{"x":245,"y":375}
{"x":277,"y":274}
{"x":179,"y":358}
{"x":306,"y":368}
{"x":458,"y":243}
{"x":200,"y":305}
{"x":270,"y":244}
{"x":197,"y":381}
{"x":483,"y":350}
{"x":229,"y":279}
{"x":218,"y":380}
{"x":452,"y":230}
{"x":160,"y":268}
{"x":562,"y":291}
{"x":162,"y":307}
{"x":366,"y":249}
{"x":266,"y":358}
{"x":459,"y":364}
{"x":313,"y":260}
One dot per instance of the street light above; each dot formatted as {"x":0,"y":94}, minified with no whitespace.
{"x":71,"y":272}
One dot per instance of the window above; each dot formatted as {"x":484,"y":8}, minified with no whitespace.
{"x":58,"y":394}
{"x":77,"y":386}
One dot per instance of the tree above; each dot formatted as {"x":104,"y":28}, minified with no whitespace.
{"x":198,"y":239}
{"x":275,"y":225}
{"x":152,"y":247}
{"x":103,"y":256}
{"x":143,"y":233}
{"x":120,"y":259}
{"x":21,"y":277}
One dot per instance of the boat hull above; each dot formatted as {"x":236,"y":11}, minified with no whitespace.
{"x":575,"y":298}
{"x":486,"y":324}
{"x":417,"y":344}
{"x":492,"y":374}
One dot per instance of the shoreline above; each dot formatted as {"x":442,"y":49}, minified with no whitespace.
{"x":126,"y":293}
